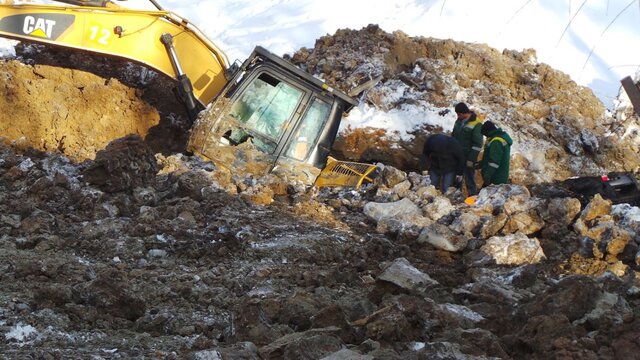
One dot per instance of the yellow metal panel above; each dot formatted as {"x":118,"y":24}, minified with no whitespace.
{"x":94,"y":29}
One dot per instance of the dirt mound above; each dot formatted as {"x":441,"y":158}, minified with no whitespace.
{"x":73,"y":112}
{"x":77,"y":103}
{"x":560,"y":129}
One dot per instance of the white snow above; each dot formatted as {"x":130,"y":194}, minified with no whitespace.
{"x":20,"y":332}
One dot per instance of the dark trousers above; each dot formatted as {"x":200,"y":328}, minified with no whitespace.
{"x":442,"y":182}
{"x":470,"y":180}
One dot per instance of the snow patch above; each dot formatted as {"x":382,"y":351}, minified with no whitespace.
{"x":464,"y":312}
{"x":20,"y":332}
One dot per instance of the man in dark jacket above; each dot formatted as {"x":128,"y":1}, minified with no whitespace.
{"x":467,"y":131}
{"x":444,"y":159}
{"x":497,"y":152}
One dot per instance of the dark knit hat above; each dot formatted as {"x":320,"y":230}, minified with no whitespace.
{"x":487,"y":128}
{"x":462,"y":108}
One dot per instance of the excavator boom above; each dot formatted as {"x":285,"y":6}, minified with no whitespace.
{"x":134,"y":35}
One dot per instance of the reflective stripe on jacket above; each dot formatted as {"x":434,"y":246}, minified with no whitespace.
{"x":467,"y":132}
{"x":495,"y":161}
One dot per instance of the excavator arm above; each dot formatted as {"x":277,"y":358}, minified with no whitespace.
{"x":160,"y":40}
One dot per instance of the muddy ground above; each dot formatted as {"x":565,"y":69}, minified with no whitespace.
{"x":177,"y":268}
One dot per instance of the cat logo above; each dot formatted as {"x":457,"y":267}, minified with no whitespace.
{"x":39,"y":25}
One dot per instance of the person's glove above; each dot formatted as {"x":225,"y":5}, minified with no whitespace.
{"x":470,"y":164}
{"x":458,"y":179}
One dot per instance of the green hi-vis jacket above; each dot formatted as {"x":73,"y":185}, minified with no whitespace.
{"x":495,"y":161}
{"x":467,"y":132}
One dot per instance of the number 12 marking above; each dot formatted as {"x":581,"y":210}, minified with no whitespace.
{"x":99,"y":35}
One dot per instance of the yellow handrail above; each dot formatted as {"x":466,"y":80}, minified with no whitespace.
{"x":344,"y":173}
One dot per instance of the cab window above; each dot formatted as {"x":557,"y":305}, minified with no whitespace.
{"x":265,"y":108}
{"x":309,"y":129}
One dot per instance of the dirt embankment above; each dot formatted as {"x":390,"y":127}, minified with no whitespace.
{"x":74,"y":112}
{"x":75,"y":103}
{"x":560,"y":128}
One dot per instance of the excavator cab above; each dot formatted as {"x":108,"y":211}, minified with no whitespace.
{"x":271,"y":106}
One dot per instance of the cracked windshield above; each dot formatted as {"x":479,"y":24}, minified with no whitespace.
{"x":265,"y":108}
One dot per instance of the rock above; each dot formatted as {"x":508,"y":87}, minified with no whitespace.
{"x":37,"y":222}
{"x":627,"y":216}
{"x":560,"y":211}
{"x":491,"y":225}
{"x":515,"y":249}
{"x":464,"y":317}
{"x":390,"y":176}
{"x":346,"y":354}
{"x":539,"y":332}
{"x":468,"y":223}
{"x":609,"y":309}
{"x":387,"y":323}
{"x":439,"y":207}
{"x":503,"y":198}
{"x":311,"y":344}
{"x":109,"y":294}
{"x":12,"y":220}
{"x":589,"y":141}
{"x":441,"y":350}
{"x":573,"y":297}
{"x":609,"y":239}
{"x":300,"y":310}
{"x":124,"y":164}
{"x":402,"y":189}
{"x":402,"y":274}
{"x":333,"y":315}
{"x":402,"y":209}
{"x":479,"y":342}
{"x":597,"y":207}
{"x":443,"y":238}
{"x":145,"y":196}
{"x":427,"y":192}
{"x":396,"y":215}
{"x":242,"y":350}
{"x":205,"y":355}
{"x":526,"y":222}
{"x":156,"y":253}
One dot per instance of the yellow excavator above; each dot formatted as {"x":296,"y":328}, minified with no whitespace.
{"x":265,"y":111}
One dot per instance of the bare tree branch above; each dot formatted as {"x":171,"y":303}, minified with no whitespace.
{"x":570,"y":21}
{"x":518,"y":11}
{"x":603,"y":32}
{"x":442,"y":8}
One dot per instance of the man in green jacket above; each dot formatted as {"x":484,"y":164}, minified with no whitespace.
{"x":467,"y":131}
{"x":497,"y":152}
